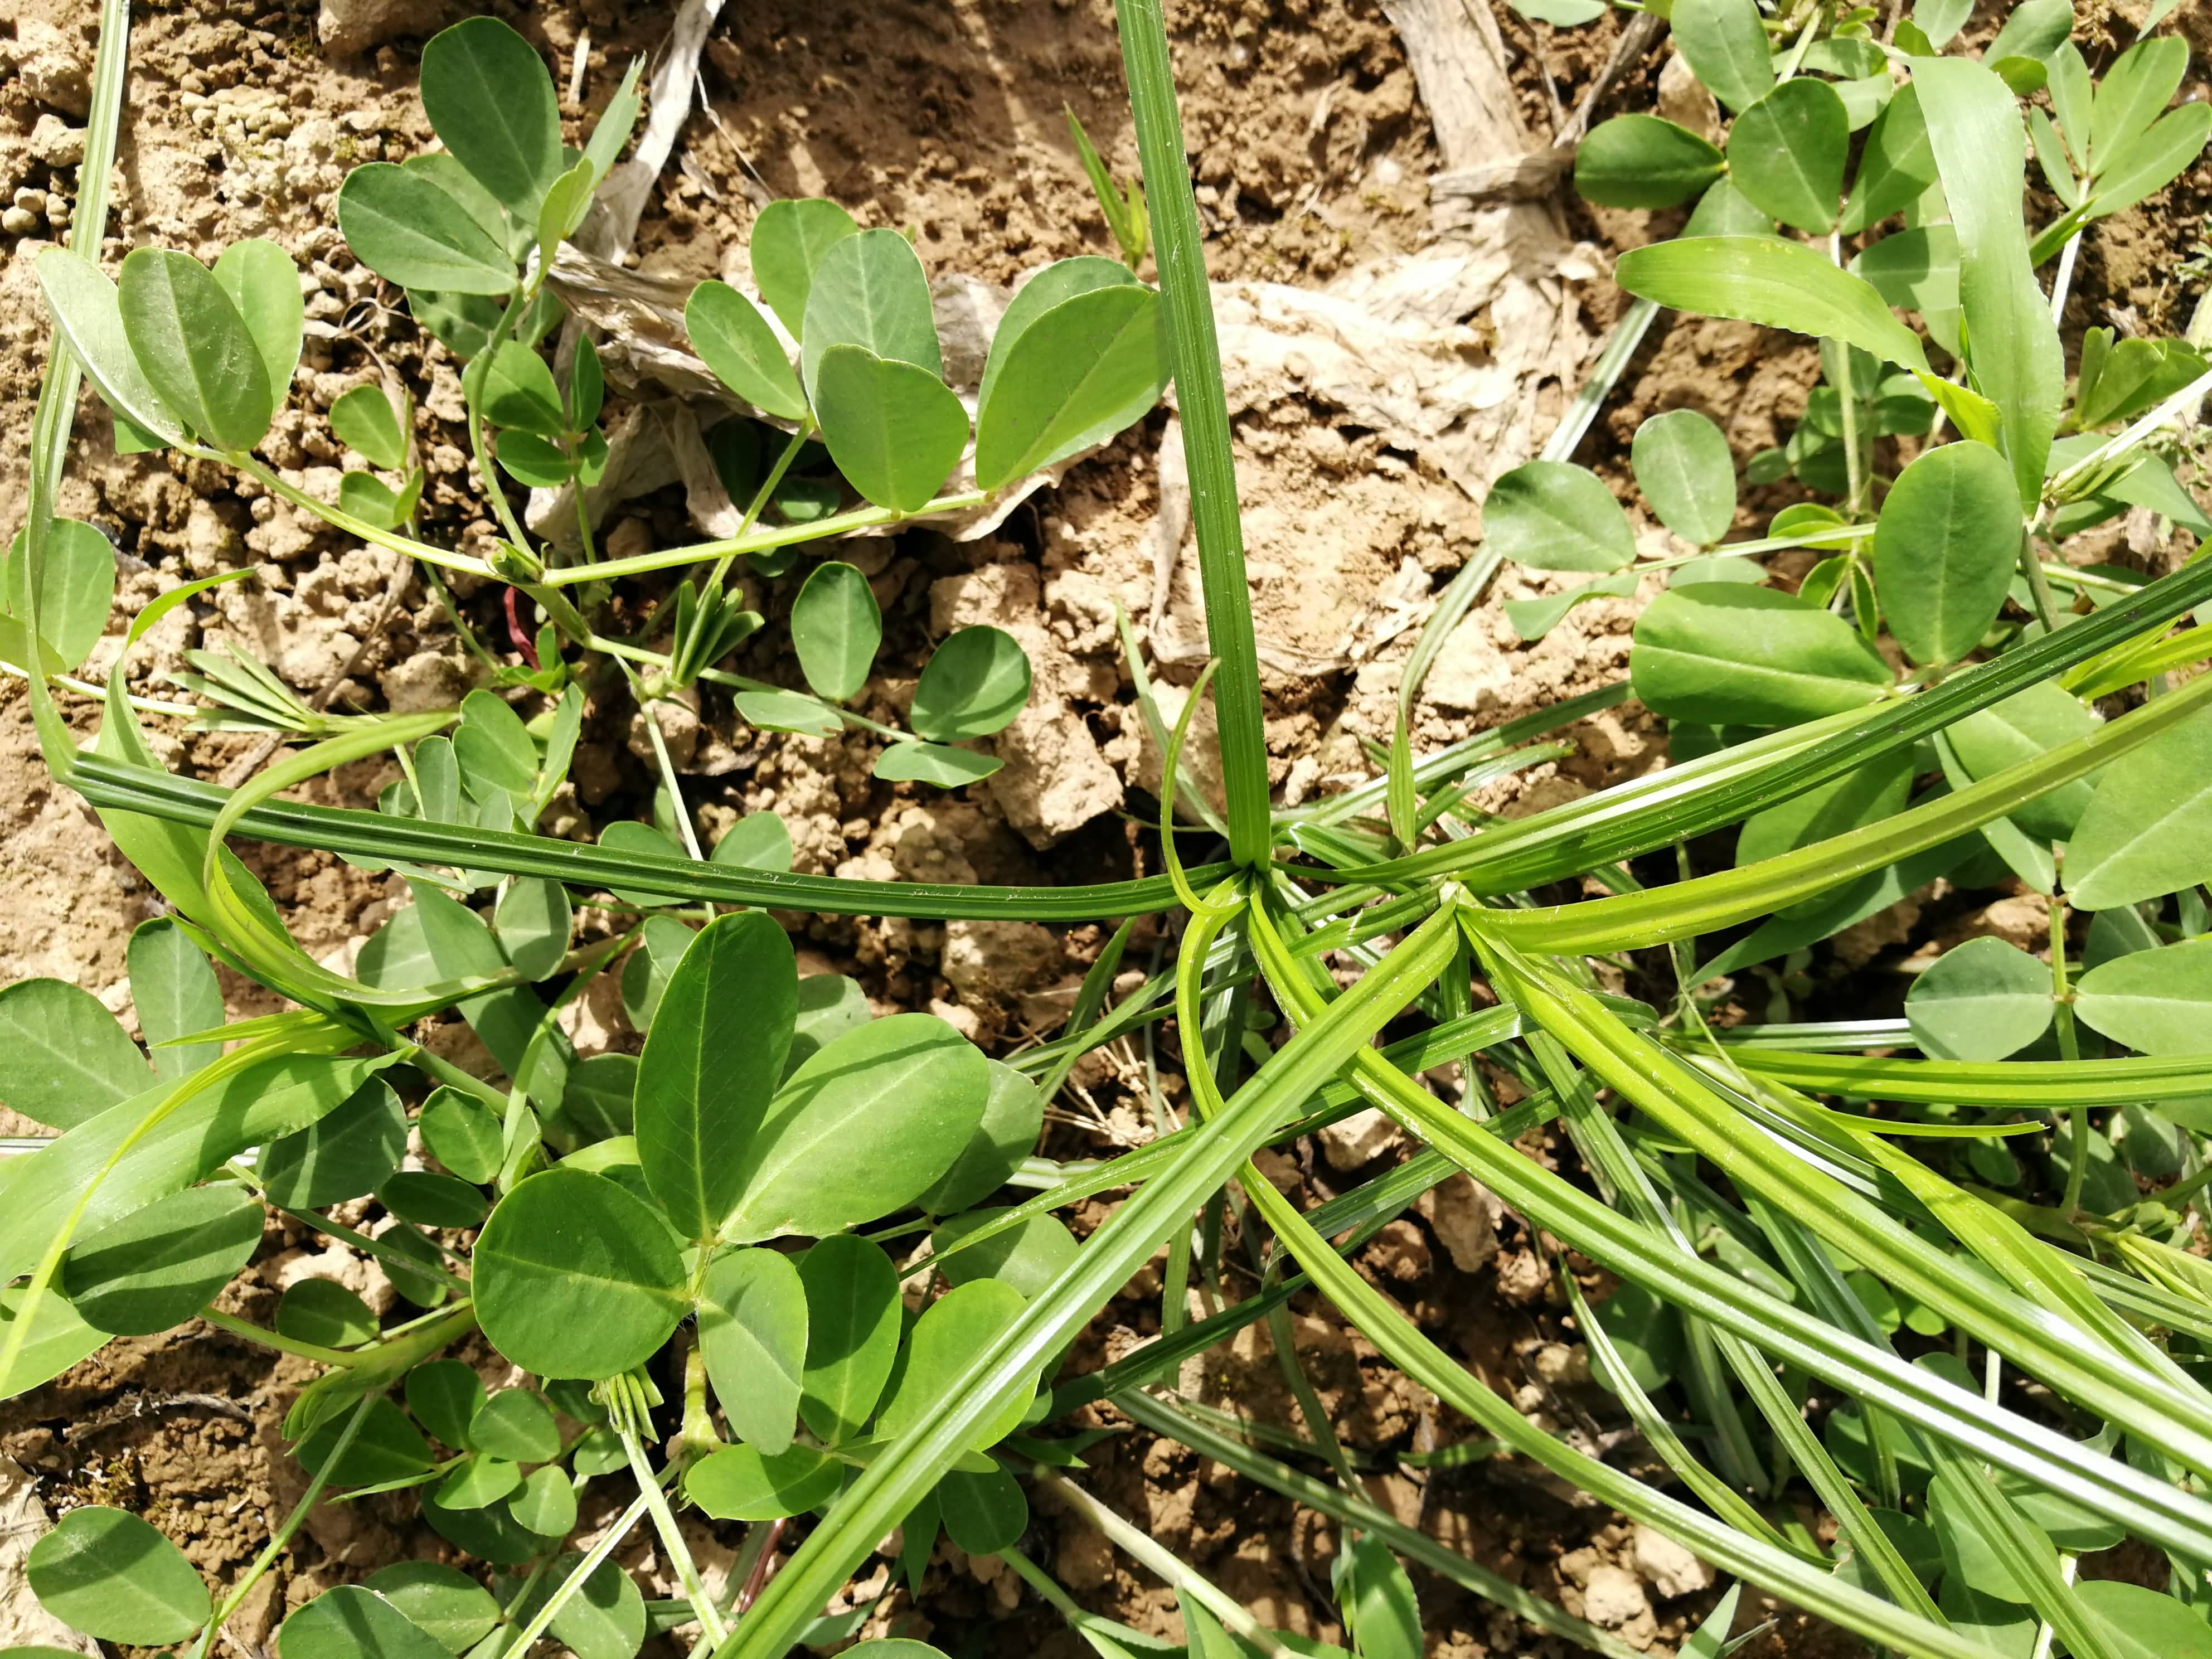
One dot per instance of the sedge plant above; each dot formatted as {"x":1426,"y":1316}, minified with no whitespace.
{"x":1939,"y":1272}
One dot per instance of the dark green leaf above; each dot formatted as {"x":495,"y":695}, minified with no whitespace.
{"x":934,"y":763}
{"x":1013,"y":1116}
{"x":896,"y":430}
{"x":835,"y":628}
{"x":1872,"y":792}
{"x":786,"y":711}
{"x":1553,"y":516}
{"x":516,"y":1424}
{"x":323,"y":1312}
{"x":109,"y":1574}
{"x":354,"y":1622}
{"x":2148,"y":831}
{"x":1684,"y":469}
{"x":1378,"y":1602}
{"x":491,"y":102}
{"x":759,"y":841}
{"x":869,"y":290}
{"x":430,"y":1200}
{"x":861,"y":1129}
{"x":1059,"y":282}
{"x":788,"y":242}
{"x":1764,"y":279}
{"x":62,"y":1058}
{"x":407,"y":230}
{"x":2035,"y":30}
{"x":445,"y":1396}
{"x":740,"y":1483}
{"x":455,"y":1610}
{"x":386,"y":1447}
{"x":982,"y":1514}
{"x":603,"y":1621}
{"x":158,"y":1268}
{"x":532,"y":919}
{"x":343,"y":1155}
{"x":1076,"y":375}
{"x":517,"y":390}
{"x":2025,"y":724}
{"x":1981,"y":1001}
{"x":1896,"y":166}
{"x":1786,"y":153}
{"x":2141,"y":1624}
{"x":1642,"y":161}
{"x":575,"y":1278}
{"x":1725,"y":654}
{"x":1029,"y":1256}
{"x":194,"y":349}
{"x":711,"y":1065}
{"x":1533,"y":618}
{"x":734,"y":340}
{"x":477,"y":1483}
{"x":853,"y":1316}
{"x":363,"y":420}
{"x":753,"y":1330}
{"x":1945,"y":550}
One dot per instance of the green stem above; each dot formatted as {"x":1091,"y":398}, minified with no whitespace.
{"x":280,"y":1342}
{"x":761,"y":496}
{"x":2038,"y":585}
{"x":671,"y":1540}
{"x":760,"y":541}
{"x":340,"y":520}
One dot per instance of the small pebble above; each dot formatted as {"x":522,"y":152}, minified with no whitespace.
{"x":31,"y":200}
{"x":55,"y":142}
{"x":18,"y":221}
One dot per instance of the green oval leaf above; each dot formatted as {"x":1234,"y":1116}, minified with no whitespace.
{"x":853,"y":1317}
{"x":491,"y":102}
{"x":430,"y":1200}
{"x":896,"y":430}
{"x":869,"y":290}
{"x":405,"y":228}
{"x":1981,"y":1001}
{"x":759,"y":841}
{"x":1722,"y":654}
{"x":386,"y":1447}
{"x":75,"y":589}
{"x":2027,"y":724}
{"x":463,"y":1133}
{"x":58,"y":1340}
{"x":1642,"y":161}
{"x":1766,"y":280}
{"x":110,"y":1574}
{"x":264,"y":283}
{"x":1059,"y":282}
{"x":752,"y":1329}
{"x":194,"y":349}
{"x":516,"y":390}
{"x":934,"y":763}
{"x":2141,"y":1624}
{"x":1786,"y":153}
{"x":605,"y":1620}
{"x":477,"y":1483}
{"x":788,"y":242}
{"x":710,"y":1066}
{"x":174,"y":988}
{"x":983,"y":1514}
{"x":2147,"y":832}
{"x":788,"y":711}
{"x":741,"y":1483}
{"x":1550,"y":516}
{"x":734,"y":340}
{"x":342,"y":1155}
{"x":2156,"y":1002}
{"x":546,"y":1503}
{"x":575,"y":1278}
{"x":1030,"y":1255}
{"x":1013,"y":1115}
{"x":1896,"y":164}
{"x":62,"y":1058}
{"x":445,"y":1395}
{"x":533,"y":919}
{"x":1074,"y":377}
{"x":516,"y":1424}
{"x":1684,"y":469}
{"x":87,"y":312}
{"x":451,"y":1607}
{"x":861,"y":1129}
{"x":835,"y":628}
{"x":323,"y":1312}
{"x":354,"y":1622}
{"x":1945,"y":550}
{"x":952,"y":1331}
{"x":1725,"y":46}
{"x":158,"y":1268}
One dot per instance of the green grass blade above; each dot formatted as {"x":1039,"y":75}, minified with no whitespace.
{"x":2021,"y":1084}
{"x":1204,"y":407}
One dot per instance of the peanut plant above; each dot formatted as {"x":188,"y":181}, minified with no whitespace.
{"x":1940,"y":1275}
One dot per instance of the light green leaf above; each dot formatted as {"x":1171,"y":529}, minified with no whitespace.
{"x":759,"y":841}
{"x":734,"y":340}
{"x":1380,"y":1609}
{"x":1030,"y":1255}
{"x":1914,"y":270}
{"x":323,"y":1312}
{"x":2148,"y":831}
{"x":455,"y":1610}
{"x":1866,"y":794}
{"x":861,"y":1129}
{"x":516,"y":390}
{"x":58,"y":1340}
{"x":1642,"y":161}
{"x":263,"y":284}
{"x":575,"y":1278}
{"x":477,"y":1483}
{"x":533,"y":919}
{"x":605,"y":1620}
{"x":516,"y":1424}
{"x":87,"y":312}
{"x":869,"y":290}
{"x":753,"y":1330}
{"x":109,"y":1574}
{"x":788,"y":242}
{"x":709,"y":1068}
{"x":835,"y":628}
{"x":1684,"y":469}
{"x":1550,"y":516}
{"x":354,"y":1622}
{"x":1764,"y":279}
{"x":62,"y":1058}
{"x":1896,"y":166}
{"x":1974,"y":128}
{"x":463,"y":1133}
{"x":546,"y":1503}
{"x":852,"y":1318}
{"x":1059,"y":282}
{"x":934,"y":763}
{"x":741,"y":1483}
{"x":566,"y":205}
{"x":342,"y":1155}
{"x":895,"y":430}
{"x":1981,"y":1001}
{"x":408,"y":230}
{"x":1725,"y":45}
{"x":1945,"y":550}
{"x":2141,"y":1624}
{"x":445,"y":1395}
{"x":973,"y":684}
{"x":952,"y":1331}
{"x":1013,"y":1114}
{"x":2149,"y":163}
{"x":158,"y":1268}
{"x":2023,"y":726}
{"x":2035,"y":29}
{"x":431,"y":1199}
{"x":2130,"y":95}
{"x":1073,"y":377}
{"x":1722,"y":654}
{"x":491,"y":102}
{"x":1533,"y":618}
{"x":1939,"y":20}
{"x":73,"y":590}
{"x":194,"y":349}
{"x":788,"y":711}
{"x":1786,"y":153}
{"x":2156,"y":1002}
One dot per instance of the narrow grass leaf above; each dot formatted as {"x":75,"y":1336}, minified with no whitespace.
{"x":1780,"y":284}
